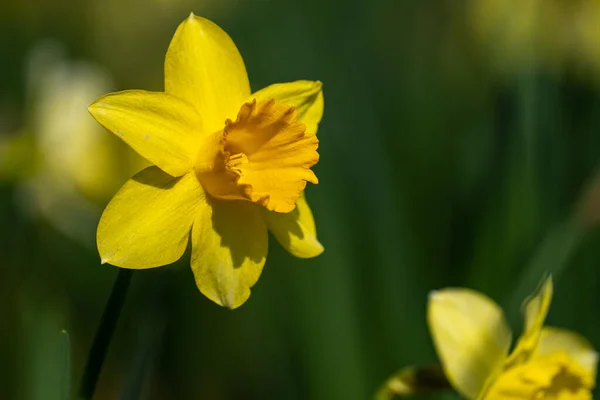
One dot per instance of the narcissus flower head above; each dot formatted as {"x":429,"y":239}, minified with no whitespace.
{"x":472,"y":339}
{"x":228,"y":166}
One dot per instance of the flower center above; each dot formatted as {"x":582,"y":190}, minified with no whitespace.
{"x":555,"y":376}
{"x":264,"y":157}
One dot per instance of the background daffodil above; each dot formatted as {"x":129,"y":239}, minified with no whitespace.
{"x":229,"y":165}
{"x":66,"y":166}
{"x":472,"y":339}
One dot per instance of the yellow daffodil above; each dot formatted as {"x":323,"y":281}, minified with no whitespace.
{"x":472,"y":339}
{"x":228,"y":165}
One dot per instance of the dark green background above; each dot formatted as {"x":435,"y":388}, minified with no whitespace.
{"x":435,"y":171}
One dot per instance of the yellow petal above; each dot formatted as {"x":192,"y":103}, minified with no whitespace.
{"x":552,"y":376}
{"x":229,"y":249}
{"x":553,"y":340}
{"x":535,"y":310}
{"x":147,"y":223}
{"x":295,"y":230}
{"x":264,"y":156}
{"x":470,"y":335}
{"x":161,"y":128}
{"x":305,"y":96}
{"x":204,"y":67}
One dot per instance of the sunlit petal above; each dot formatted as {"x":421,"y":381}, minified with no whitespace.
{"x":147,"y":223}
{"x":535,"y":310}
{"x":553,"y":340}
{"x":229,"y":249}
{"x":161,"y":128}
{"x":470,"y":335}
{"x":305,"y":96}
{"x":204,"y":67}
{"x":295,"y":230}
{"x":551,"y":376}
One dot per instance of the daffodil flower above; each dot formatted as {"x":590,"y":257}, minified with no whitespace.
{"x":472,"y":339}
{"x":229,"y":165}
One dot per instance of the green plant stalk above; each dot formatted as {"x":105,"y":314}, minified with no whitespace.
{"x":104,"y":334}
{"x":65,"y":354}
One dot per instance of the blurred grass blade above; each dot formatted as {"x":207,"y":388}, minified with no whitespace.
{"x":46,"y":352}
{"x":65,"y":365}
{"x":551,"y":258}
{"x":558,"y":246}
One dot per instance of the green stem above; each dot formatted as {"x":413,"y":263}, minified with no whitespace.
{"x":104,"y":334}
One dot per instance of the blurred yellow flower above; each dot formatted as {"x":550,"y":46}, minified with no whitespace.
{"x":217,"y":182}
{"x":66,"y":166}
{"x":521,"y":34}
{"x":472,"y":339}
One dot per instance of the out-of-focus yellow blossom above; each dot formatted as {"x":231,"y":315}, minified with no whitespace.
{"x":521,"y":34}
{"x":65,"y":163}
{"x":228,"y":165}
{"x":472,"y":339}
